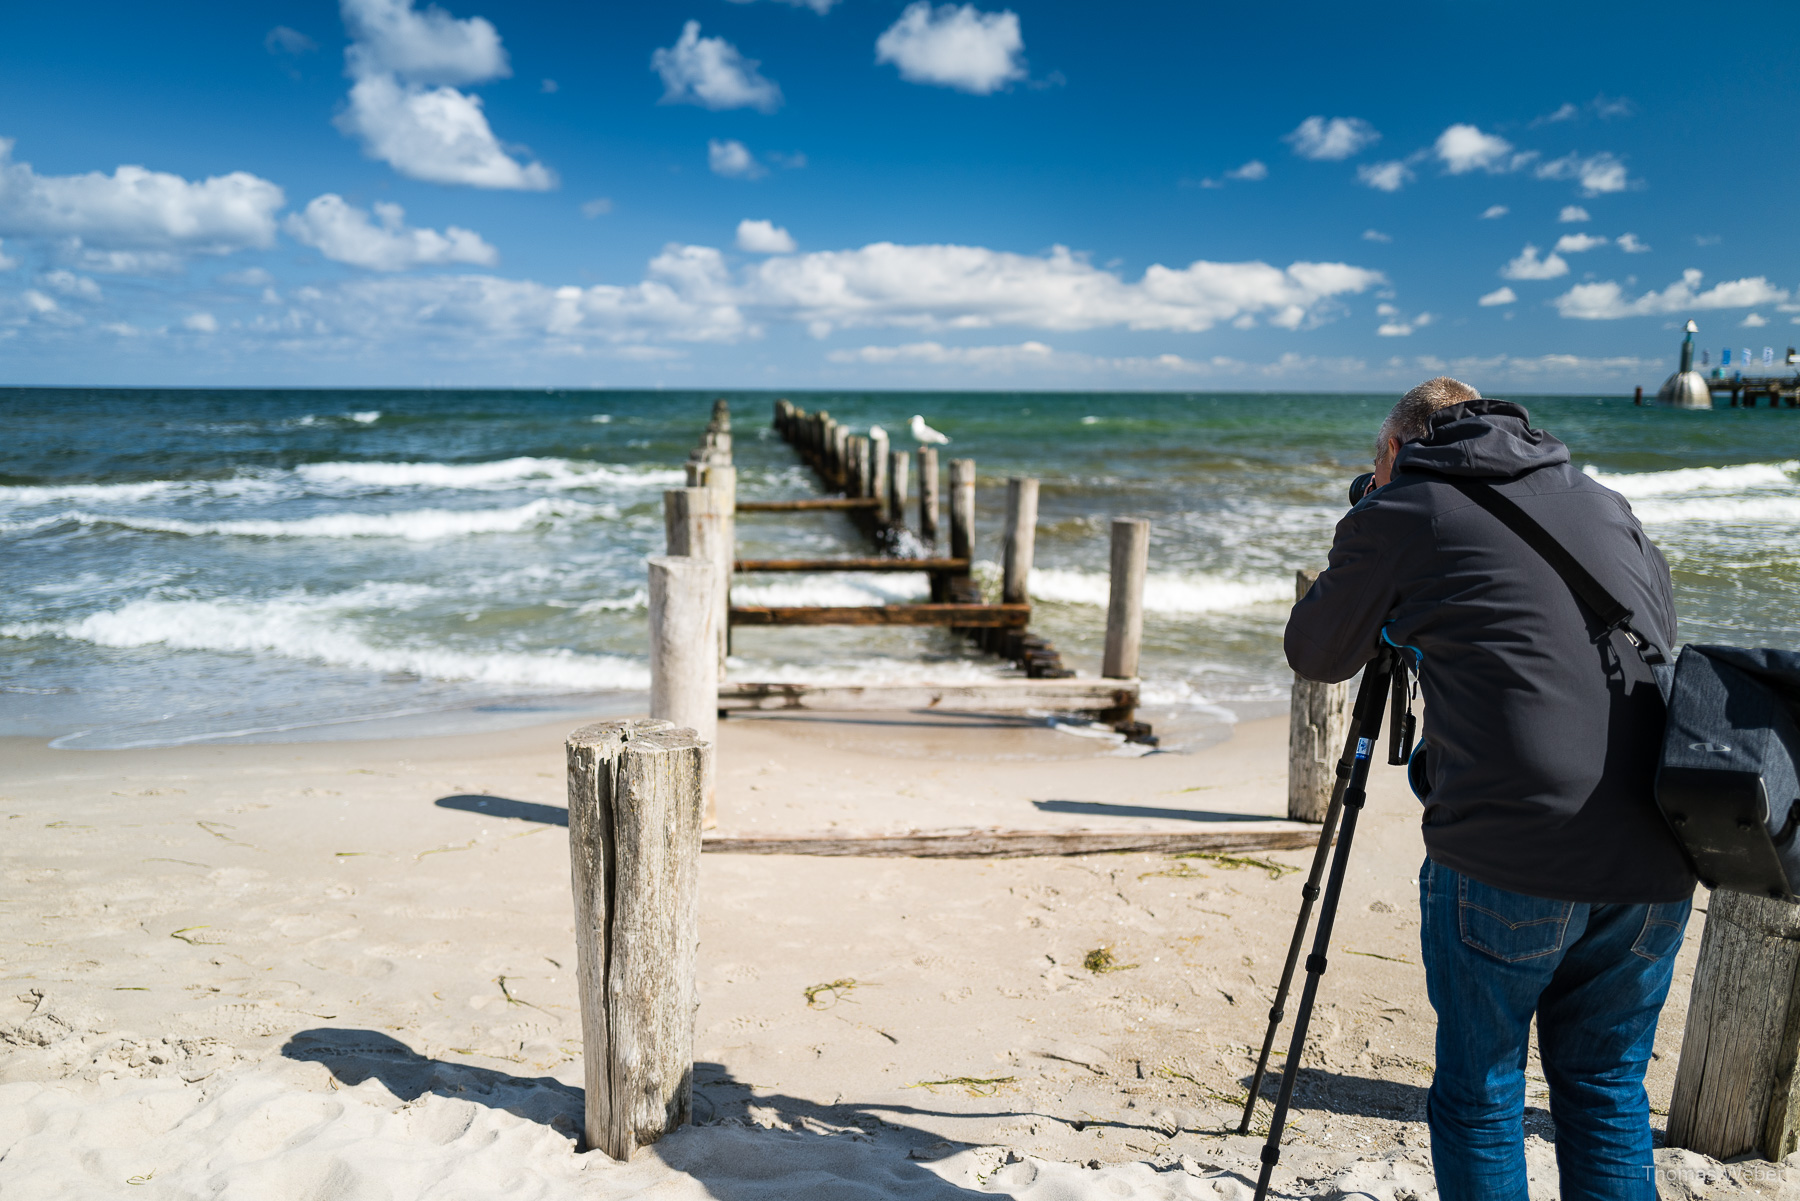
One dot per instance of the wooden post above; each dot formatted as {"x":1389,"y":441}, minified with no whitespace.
{"x":635,"y":791}
{"x":1318,"y":723}
{"x":878,"y":473}
{"x":962,"y":508}
{"x":1021,"y":540}
{"x":696,"y":522}
{"x":842,"y":455}
{"x":858,"y":484}
{"x":1125,"y":606}
{"x":723,"y":482}
{"x":1737,"y":1087}
{"x":896,"y":488}
{"x":928,"y":494}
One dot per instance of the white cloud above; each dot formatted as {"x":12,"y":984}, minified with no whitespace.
{"x":1464,"y":148}
{"x":764,"y":237}
{"x":282,"y":40}
{"x":120,"y":262}
{"x":136,"y":208}
{"x":1385,"y":177}
{"x":1568,"y":112}
{"x":1573,"y":212}
{"x":819,"y":6}
{"x":1529,"y":266}
{"x":7,"y":263}
{"x":1033,"y":356}
{"x":954,"y":47}
{"x":1494,"y":210}
{"x":711,"y":73}
{"x":599,"y":206}
{"x":1253,"y":170}
{"x":1577,"y":243}
{"x":1606,"y":301}
{"x":70,"y":284}
{"x":201,"y":323}
{"x":39,"y":303}
{"x":732,"y":159}
{"x":1338,"y":138}
{"x":1375,"y":235}
{"x":1497,"y":296}
{"x":1753,"y":321}
{"x":1399,"y":326}
{"x":250,"y":277}
{"x":1598,"y":173}
{"x":1029,"y":354}
{"x":1630,"y":245}
{"x":389,"y":36}
{"x":549,"y":87}
{"x":439,"y":135}
{"x":345,"y":234}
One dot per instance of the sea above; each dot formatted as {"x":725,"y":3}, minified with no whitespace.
{"x":189,"y":566}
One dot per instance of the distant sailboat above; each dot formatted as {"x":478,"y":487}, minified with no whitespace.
{"x":924,"y":433}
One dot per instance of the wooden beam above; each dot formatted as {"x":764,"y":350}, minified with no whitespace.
{"x":972,"y":616}
{"x":1251,"y":835}
{"x":860,"y":564}
{"x":1007,"y":694}
{"x":809,"y":503}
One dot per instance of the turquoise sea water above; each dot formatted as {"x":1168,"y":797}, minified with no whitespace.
{"x":196,"y":564}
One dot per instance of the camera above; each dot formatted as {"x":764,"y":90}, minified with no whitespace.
{"x":1359,"y":487}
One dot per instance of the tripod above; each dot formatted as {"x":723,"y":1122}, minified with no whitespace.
{"x":1384,"y":673}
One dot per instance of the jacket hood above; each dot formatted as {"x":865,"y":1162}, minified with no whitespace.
{"x":1487,"y":438}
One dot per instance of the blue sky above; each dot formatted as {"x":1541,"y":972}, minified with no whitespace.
{"x":867,"y":193}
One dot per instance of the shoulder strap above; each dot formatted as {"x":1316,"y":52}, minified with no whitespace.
{"x":1604,"y":605}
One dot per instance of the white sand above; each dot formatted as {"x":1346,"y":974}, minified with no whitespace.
{"x":340,"y":970}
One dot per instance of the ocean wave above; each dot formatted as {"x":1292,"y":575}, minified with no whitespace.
{"x":1633,"y":485}
{"x":836,"y":588}
{"x":27,"y":495}
{"x":1172,"y":593}
{"x":1758,"y":510}
{"x":523,"y":471}
{"x":412,"y":525}
{"x":313,"y":629}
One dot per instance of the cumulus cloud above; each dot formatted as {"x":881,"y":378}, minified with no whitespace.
{"x":1375,"y":235}
{"x":1330,"y":140}
{"x":403,"y":108}
{"x":250,"y":277}
{"x":1497,"y":296}
{"x":1385,"y":177}
{"x":1753,"y":321}
{"x":1493,"y":211}
{"x":1598,"y":173}
{"x":1464,"y":148}
{"x":119,"y":262}
{"x":764,"y":237}
{"x":1033,"y":356}
{"x":1630,"y":245}
{"x":711,"y":73}
{"x":200,"y":323}
{"x":1567,"y":112}
{"x":134,"y":208}
{"x":1529,"y":266}
{"x":1577,"y":243}
{"x":346,"y":234}
{"x":954,"y":47}
{"x":1398,"y":325}
{"x":70,"y":284}
{"x":732,"y":159}
{"x":1607,"y":301}
{"x":1251,"y":171}
{"x":1573,"y":213}
{"x":282,"y":40}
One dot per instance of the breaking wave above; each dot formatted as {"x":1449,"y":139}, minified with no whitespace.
{"x":1172,"y":593}
{"x":1633,"y":485}
{"x":412,"y":525}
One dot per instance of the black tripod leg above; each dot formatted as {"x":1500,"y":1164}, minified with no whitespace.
{"x":1355,"y":795}
{"x":1368,"y":699}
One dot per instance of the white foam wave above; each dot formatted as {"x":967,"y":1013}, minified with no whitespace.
{"x":1697,"y":479}
{"x":836,"y":588}
{"x":523,"y":471}
{"x":313,"y":629}
{"x":1758,"y":510}
{"x":413,"y":525}
{"x":1164,"y":592}
{"x":366,"y":417}
{"x":25,"y":495}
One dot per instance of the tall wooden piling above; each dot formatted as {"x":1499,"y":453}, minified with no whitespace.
{"x":722,"y":480}
{"x":1125,"y":605}
{"x":896,"y":488}
{"x":962,"y":508}
{"x":1021,"y":540}
{"x":878,"y":473}
{"x":928,"y":495}
{"x":697,"y":522}
{"x":635,"y":795}
{"x":860,"y":479}
{"x":1737,"y":1085}
{"x":1318,"y":723}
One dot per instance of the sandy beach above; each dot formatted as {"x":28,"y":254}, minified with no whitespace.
{"x":342,"y":970}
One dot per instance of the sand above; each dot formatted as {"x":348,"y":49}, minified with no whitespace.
{"x":342,"y":971}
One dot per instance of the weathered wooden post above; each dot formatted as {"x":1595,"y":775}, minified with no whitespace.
{"x":878,"y":472}
{"x":896,"y":488}
{"x":723,"y":482}
{"x":842,"y":455}
{"x":1737,"y":1085}
{"x":1021,"y":540}
{"x":928,"y":494}
{"x":635,"y":796}
{"x":961,"y":588}
{"x":859,"y":466}
{"x":1318,"y":722}
{"x":696,"y":522}
{"x":1125,"y":605}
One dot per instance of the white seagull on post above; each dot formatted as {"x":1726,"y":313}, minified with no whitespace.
{"x":924,"y":433}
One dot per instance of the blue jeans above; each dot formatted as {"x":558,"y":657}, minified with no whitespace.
{"x":1596,"y":977}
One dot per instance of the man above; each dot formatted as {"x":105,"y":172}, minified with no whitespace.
{"x":1552,"y":885}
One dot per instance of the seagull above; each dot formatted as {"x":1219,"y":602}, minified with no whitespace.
{"x":877,"y":433}
{"x":924,"y":433}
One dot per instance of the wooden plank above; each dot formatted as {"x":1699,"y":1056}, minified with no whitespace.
{"x":1003,"y":695}
{"x":1252,"y":835}
{"x":972,"y":616}
{"x":806,"y":504}
{"x":859,"y":564}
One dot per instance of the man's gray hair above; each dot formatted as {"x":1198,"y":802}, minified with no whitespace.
{"x":1411,"y":418}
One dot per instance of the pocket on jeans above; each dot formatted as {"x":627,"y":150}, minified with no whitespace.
{"x":1510,"y":926}
{"x":1664,"y":925}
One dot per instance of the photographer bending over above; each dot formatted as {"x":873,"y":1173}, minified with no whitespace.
{"x":1552,"y":886}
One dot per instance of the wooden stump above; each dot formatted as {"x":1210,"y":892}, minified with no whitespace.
{"x":634,"y":850}
{"x":1318,"y":723}
{"x":878,"y":473}
{"x":1125,"y":606}
{"x":1737,"y":1090}
{"x":1021,"y":540}
{"x":928,"y":494}
{"x":898,"y":462}
{"x":962,"y":508}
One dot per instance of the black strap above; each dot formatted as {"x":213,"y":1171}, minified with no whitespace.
{"x":1613,"y":615}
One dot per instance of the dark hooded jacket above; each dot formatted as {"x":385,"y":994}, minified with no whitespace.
{"x":1541,"y":732}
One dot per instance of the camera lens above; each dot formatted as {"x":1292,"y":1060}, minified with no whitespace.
{"x":1359,"y":487}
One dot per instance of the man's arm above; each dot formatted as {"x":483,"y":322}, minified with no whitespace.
{"x":1335,"y":628}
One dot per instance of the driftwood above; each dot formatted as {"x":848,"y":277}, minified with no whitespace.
{"x":634,"y":849}
{"x":1014,"y":844}
{"x":1318,"y":723}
